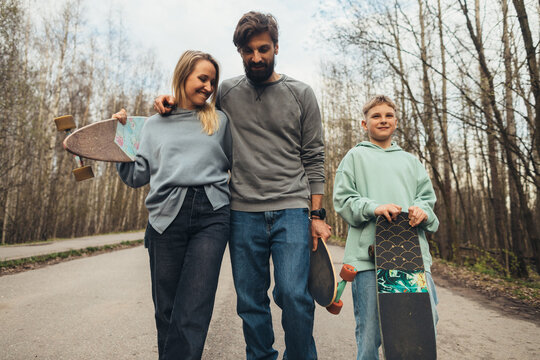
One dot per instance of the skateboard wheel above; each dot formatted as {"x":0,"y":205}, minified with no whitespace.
{"x":64,"y":123}
{"x":335,"y":307}
{"x":371,"y":253}
{"x":348,"y":272}
{"x":83,"y":173}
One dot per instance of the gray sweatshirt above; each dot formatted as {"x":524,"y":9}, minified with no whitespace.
{"x":175,"y":153}
{"x":278,"y":150}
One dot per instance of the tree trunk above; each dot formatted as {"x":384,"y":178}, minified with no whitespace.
{"x":532,"y":65}
{"x":497,"y":191}
{"x":517,"y":237}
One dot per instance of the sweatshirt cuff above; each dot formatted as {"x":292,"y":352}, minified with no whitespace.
{"x":317,"y":188}
{"x":370,"y":208}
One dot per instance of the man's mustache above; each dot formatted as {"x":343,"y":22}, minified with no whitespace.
{"x":258,"y":65}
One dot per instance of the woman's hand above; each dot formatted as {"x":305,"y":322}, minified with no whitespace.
{"x":121,"y":116}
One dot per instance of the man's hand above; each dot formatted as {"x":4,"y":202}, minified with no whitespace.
{"x":416,"y":216}
{"x":121,"y":116}
{"x":163,"y":104}
{"x":389,"y":211}
{"x":319,"y":229}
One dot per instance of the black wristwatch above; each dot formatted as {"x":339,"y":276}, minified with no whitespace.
{"x":320,"y":213}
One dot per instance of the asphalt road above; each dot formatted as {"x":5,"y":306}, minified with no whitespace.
{"x":100,"y":307}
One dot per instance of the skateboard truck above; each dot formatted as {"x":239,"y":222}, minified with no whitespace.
{"x":67,"y":124}
{"x":371,"y":252}
{"x":347,"y":273}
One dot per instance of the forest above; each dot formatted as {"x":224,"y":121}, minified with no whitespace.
{"x":57,"y":67}
{"x":464,"y":74}
{"x":465,"y":77}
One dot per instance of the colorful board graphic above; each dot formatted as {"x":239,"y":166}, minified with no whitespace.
{"x":128,"y":136}
{"x":399,"y":281}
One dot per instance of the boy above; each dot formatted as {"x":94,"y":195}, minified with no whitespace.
{"x":377,"y":177}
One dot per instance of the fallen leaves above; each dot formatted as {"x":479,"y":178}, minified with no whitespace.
{"x":525,"y":292}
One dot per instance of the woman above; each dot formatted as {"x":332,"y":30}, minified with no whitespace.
{"x":185,"y":157}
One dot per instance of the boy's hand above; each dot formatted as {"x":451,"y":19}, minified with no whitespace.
{"x":121,"y":116}
{"x":163,"y":104}
{"x":389,"y":211}
{"x":416,"y":216}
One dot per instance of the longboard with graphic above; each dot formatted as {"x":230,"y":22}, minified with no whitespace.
{"x":405,"y":317}
{"x":105,"y":140}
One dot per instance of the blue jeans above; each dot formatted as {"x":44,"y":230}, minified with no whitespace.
{"x":368,"y":335}
{"x":284,"y":235}
{"x":184,"y":264}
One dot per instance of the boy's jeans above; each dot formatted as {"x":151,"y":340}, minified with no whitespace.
{"x":285,"y":235}
{"x":368,"y":335}
{"x":185,"y":261}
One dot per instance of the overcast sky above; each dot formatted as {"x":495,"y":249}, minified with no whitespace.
{"x":174,"y":26}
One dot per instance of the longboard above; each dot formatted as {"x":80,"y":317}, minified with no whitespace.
{"x":322,"y":279}
{"x":405,"y":317}
{"x":105,"y":140}
{"x":100,"y":140}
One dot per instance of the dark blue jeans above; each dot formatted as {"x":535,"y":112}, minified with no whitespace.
{"x":184,"y":263}
{"x":284,"y":235}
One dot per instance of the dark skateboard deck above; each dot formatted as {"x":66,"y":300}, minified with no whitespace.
{"x":405,"y":316}
{"x":322,"y":282}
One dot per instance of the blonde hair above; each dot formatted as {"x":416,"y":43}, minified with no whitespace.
{"x":186,"y":64}
{"x":378,"y":100}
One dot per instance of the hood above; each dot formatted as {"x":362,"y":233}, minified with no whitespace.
{"x":393,"y":146}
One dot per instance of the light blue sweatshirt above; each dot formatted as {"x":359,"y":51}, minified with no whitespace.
{"x":370,"y":176}
{"x":175,"y":153}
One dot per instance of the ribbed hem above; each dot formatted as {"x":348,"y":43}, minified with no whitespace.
{"x":316,"y":188}
{"x":368,"y":265}
{"x":269,"y":205}
{"x":361,"y":265}
{"x":371,"y":208}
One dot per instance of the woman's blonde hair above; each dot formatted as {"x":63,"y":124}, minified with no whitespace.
{"x":185,"y":66}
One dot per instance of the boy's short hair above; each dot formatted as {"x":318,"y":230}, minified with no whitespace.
{"x":254,"y":23}
{"x":378,"y":100}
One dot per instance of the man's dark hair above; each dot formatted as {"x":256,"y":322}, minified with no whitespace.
{"x":254,"y":23}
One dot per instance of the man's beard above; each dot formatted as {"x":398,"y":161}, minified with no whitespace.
{"x":260,"y":74}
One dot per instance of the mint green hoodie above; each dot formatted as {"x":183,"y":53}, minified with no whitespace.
{"x":370,"y":176}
